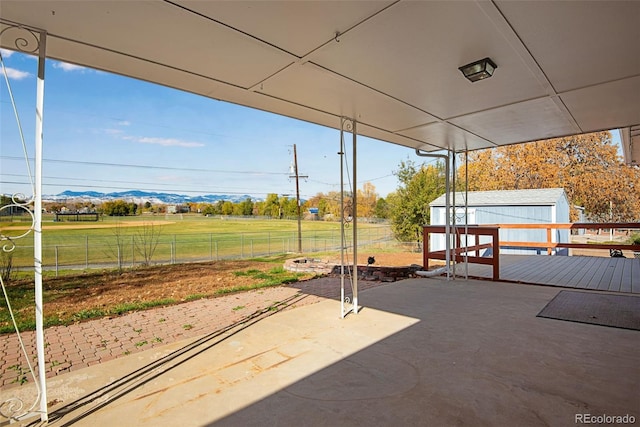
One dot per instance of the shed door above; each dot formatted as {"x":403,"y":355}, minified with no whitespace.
{"x":438,"y":240}
{"x":460,"y":220}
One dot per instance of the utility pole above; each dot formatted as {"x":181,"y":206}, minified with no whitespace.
{"x":297,"y":176}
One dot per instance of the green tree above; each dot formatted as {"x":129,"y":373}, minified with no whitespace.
{"x":271,"y":206}
{"x":288,"y":207}
{"x":382,"y":209}
{"x":409,"y":205}
{"x":208,"y":209}
{"x":227,"y":208}
{"x":246,"y":207}
{"x":118,"y":208}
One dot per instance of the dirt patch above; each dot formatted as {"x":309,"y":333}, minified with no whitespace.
{"x":65,"y":296}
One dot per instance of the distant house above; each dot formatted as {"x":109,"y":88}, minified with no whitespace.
{"x":538,"y":206}
{"x":176,"y":209}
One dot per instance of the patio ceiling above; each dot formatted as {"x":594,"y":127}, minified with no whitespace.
{"x":563,"y":67}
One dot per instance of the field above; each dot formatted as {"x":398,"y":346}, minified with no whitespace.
{"x":133,"y":241}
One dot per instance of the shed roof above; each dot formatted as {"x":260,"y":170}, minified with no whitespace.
{"x":535,"y":197}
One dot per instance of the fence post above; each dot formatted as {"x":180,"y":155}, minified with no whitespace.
{"x":175,"y":250}
{"x":251,"y":247}
{"x":241,"y":245}
{"x":210,"y":247}
{"x":56,"y":252}
{"x":133,"y":252}
{"x":172,"y":256}
{"x":86,"y":252}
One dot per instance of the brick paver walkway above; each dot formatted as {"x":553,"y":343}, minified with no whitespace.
{"x":73,"y":347}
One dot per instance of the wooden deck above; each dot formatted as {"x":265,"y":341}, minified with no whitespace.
{"x":581,"y":272}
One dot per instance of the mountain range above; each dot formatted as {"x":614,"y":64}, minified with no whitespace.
{"x":138,"y":196}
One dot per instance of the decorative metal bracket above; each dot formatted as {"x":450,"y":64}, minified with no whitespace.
{"x":28,"y":41}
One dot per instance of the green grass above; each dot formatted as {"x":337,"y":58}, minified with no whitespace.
{"x":276,"y":277}
{"x":194,"y":237}
{"x":21,"y":298}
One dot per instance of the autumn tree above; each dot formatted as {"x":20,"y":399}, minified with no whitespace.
{"x":367,"y":198}
{"x":227,"y":208}
{"x":587,"y":166}
{"x":271,"y":206}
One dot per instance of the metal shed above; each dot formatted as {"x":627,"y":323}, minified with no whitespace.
{"x":536,"y":206}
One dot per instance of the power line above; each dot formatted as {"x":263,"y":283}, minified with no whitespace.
{"x":77,"y":162}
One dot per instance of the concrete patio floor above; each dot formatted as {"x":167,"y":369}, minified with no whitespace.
{"x":420,"y":352}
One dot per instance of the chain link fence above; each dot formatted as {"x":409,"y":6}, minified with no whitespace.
{"x":131,"y":250}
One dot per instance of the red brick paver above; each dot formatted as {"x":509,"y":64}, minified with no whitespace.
{"x":77,"y":346}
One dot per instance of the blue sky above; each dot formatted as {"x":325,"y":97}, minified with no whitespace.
{"x":104,"y":132}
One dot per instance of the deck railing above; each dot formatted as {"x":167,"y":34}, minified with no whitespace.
{"x":549,"y":245}
{"x":470,"y":253}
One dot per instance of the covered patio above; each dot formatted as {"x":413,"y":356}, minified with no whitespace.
{"x":422,"y":351}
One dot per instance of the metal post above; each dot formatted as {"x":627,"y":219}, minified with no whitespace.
{"x":37,"y":228}
{"x":342,"y":242}
{"x":454,"y":216}
{"x":354,"y":197}
{"x":297,"y":177}
{"x":447,"y":203}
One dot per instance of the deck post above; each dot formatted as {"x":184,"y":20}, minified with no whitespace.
{"x":496,"y":254}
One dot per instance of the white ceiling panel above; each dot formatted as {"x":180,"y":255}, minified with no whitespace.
{"x":302,"y":26}
{"x":579,"y":43}
{"x":307,"y":84}
{"x":608,"y":106}
{"x":456,"y":139}
{"x":563,"y":66}
{"x":435,"y":38}
{"x":530,"y":120}
{"x":181,"y":39}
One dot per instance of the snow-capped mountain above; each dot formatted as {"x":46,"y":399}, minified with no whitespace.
{"x":138,"y":196}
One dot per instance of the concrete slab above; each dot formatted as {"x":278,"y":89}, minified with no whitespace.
{"x":421,"y":352}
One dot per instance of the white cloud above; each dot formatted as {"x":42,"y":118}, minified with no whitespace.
{"x":14,"y":74}
{"x":68,"y":67}
{"x":165,"y":142}
{"x":124,"y":123}
{"x":113,"y":131}
{"x":6,"y":53}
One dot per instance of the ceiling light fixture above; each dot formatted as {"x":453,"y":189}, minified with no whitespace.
{"x":479,"y":70}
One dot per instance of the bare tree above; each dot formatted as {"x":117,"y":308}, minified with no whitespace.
{"x":146,"y":241}
{"x":6,"y":265}
{"x":117,"y":249}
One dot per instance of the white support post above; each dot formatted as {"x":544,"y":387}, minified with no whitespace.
{"x":354,"y":213}
{"x":342,"y":240}
{"x":37,"y":229}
